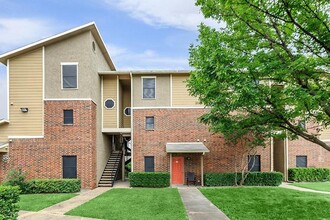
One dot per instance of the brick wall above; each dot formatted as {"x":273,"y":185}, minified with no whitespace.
{"x":42,"y":157}
{"x":316,"y":155}
{"x":181,"y":125}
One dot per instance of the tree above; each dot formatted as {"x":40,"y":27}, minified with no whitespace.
{"x":265,"y":71}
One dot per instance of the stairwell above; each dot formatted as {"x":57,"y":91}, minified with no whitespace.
{"x":110,"y":171}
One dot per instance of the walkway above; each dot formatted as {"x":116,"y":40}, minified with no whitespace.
{"x":290,"y":186}
{"x":57,"y":211}
{"x":198,"y":207}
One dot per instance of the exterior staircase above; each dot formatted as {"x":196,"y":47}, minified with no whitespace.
{"x":110,"y":172}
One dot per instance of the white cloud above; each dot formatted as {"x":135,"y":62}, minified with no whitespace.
{"x":125,"y":59}
{"x":181,"y":14}
{"x":15,"y":32}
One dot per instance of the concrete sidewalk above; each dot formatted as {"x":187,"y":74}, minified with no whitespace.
{"x":290,"y":186}
{"x":198,"y":207}
{"x":57,"y":211}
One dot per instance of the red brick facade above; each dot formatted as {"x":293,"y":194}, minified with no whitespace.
{"x":42,"y":157}
{"x":316,"y":155}
{"x":181,"y":125}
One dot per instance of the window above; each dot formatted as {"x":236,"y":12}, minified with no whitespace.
{"x":149,"y":88}
{"x":149,"y":164}
{"x":69,"y":165}
{"x":68,"y":117}
{"x":127,"y":111}
{"x":150,"y":122}
{"x":69,"y":76}
{"x":301,"y":161}
{"x":109,"y":103}
{"x":254,"y":163}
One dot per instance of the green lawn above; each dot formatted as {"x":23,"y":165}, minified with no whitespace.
{"x":320,"y":186}
{"x":134,"y":204}
{"x":269,"y":203}
{"x":36,"y":202}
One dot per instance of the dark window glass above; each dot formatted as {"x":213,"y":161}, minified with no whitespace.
{"x":254,"y":163}
{"x":68,"y":117}
{"x":109,"y":103}
{"x":127,"y":111}
{"x":150,"y":122}
{"x":149,"y":164}
{"x":69,"y":73}
{"x":69,"y":166}
{"x":149,"y":88}
{"x":301,"y":161}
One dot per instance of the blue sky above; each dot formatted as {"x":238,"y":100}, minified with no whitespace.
{"x":144,"y":34}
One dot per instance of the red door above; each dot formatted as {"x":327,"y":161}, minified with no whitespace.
{"x":177,"y":170}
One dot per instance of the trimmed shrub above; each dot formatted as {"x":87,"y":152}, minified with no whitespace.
{"x":253,"y":179}
{"x":309,"y":174}
{"x":264,"y":179}
{"x":53,"y":186}
{"x":9,"y":198}
{"x":149,"y":179}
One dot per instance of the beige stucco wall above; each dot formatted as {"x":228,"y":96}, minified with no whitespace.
{"x":180,"y":94}
{"x":75,"y":49}
{"x":25,"y":90}
{"x":162,"y":92}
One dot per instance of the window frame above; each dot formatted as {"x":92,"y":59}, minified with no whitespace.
{"x":153,"y":160}
{"x":302,"y":156}
{"x":253,"y":168}
{"x":153,"y":127}
{"x":130,"y":111}
{"x":76,"y":166}
{"x":69,"y":64}
{"x":64,"y":110}
{"x":148,"y":77}
{"x":114,"y":103}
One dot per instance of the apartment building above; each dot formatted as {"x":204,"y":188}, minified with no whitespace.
{"x":71,"y":114}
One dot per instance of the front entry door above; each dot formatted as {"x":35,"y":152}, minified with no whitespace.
{"x":177,"y":170}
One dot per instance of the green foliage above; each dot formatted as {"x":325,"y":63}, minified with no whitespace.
{"x":253,"y":179}
{"x":9,"y":198}
{"x":309,"y":174}
{"x":16,"y":177}
{"x":264,"y":70}
{"x":53,"y":186}
{"x":149,"y":179}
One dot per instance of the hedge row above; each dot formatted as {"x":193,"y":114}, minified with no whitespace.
{"x":48,"y":186}
{"x":9,"y":198}
{"x":53,"y":186}
{"x":149,"y":179}
{"x":309,"y":174}
{"x":253,"y":179}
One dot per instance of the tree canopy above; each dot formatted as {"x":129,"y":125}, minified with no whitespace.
{"x":265,"y":71}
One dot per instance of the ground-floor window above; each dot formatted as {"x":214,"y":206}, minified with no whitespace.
{"x":149,"y":164}
{"x":69,"y":166}
{"x":254,"y":163}
{"x":301,"y":161}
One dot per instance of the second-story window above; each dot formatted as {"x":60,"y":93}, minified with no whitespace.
{"x":69,"y":75}
{"x":149,"y":88}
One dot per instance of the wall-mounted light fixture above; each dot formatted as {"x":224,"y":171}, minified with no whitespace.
{"x":24,"y":110}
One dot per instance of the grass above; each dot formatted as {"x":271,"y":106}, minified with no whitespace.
{"x":37,"y":202}
{"x":134,"y":204}
{"x":269,"y":203}
{"x":320,"y":186}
